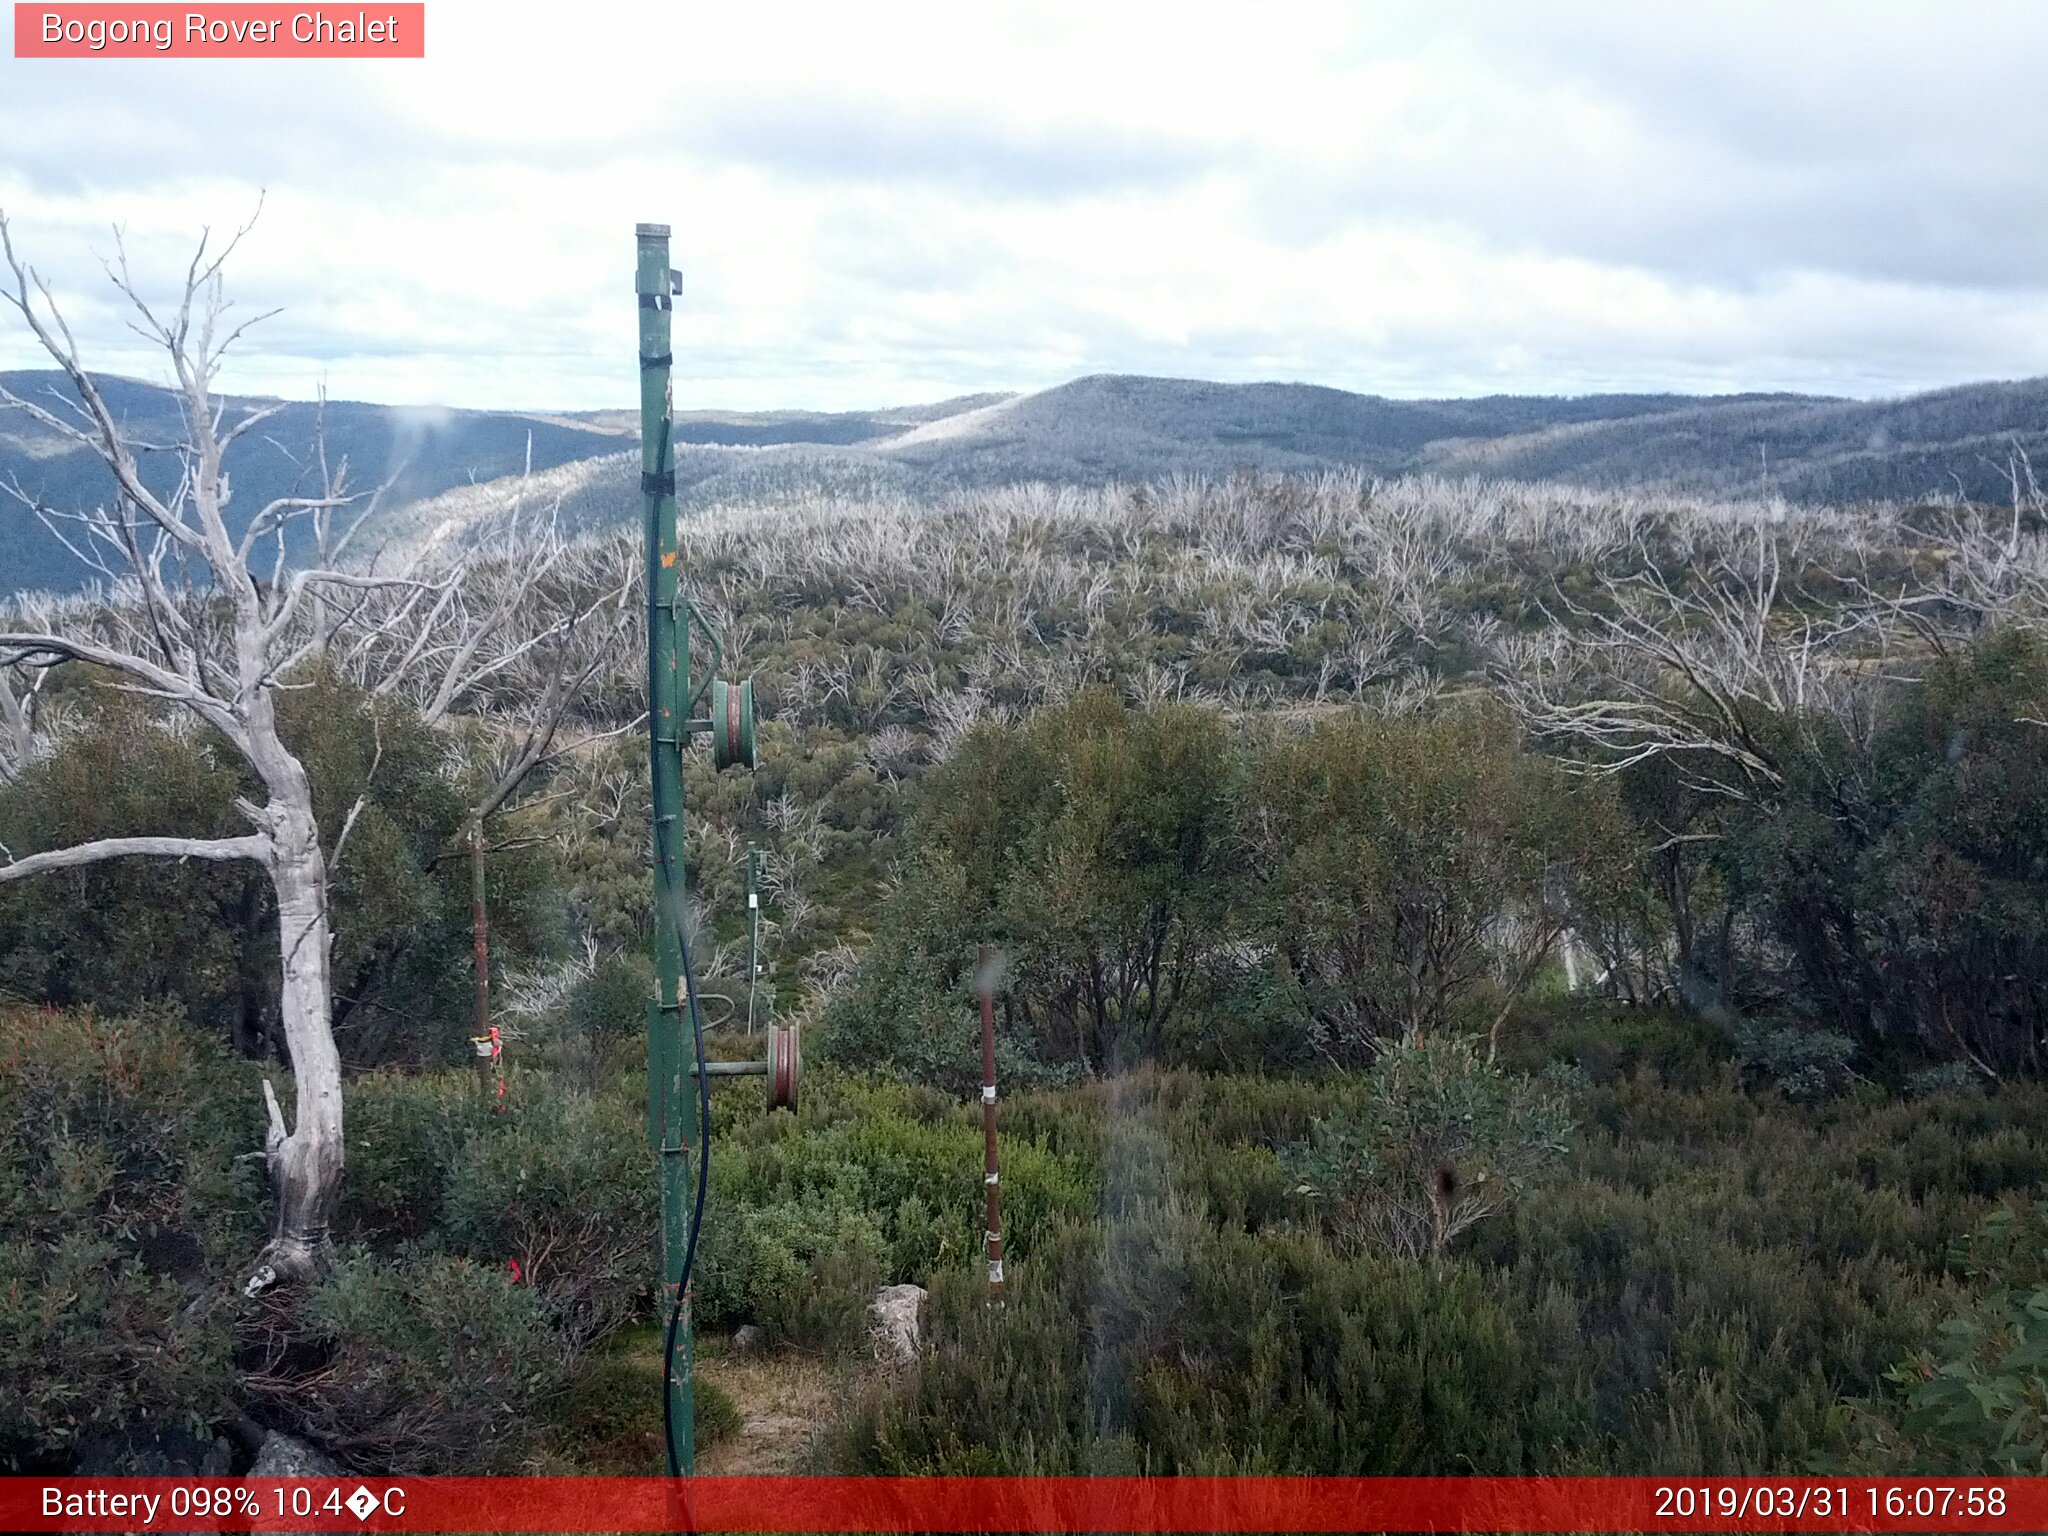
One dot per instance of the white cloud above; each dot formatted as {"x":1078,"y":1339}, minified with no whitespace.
{"x":886,"y":202}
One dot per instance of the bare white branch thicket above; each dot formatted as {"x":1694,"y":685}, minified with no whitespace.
{"x":1987,"y":567}
{"x":536,"y":993}
{"x":893,"y":751}
{"x":1698,"y":672}
{"x":512,"y":629}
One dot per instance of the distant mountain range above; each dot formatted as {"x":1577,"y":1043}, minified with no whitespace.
{"x":1096,"y":429}
{"x":429,"y":451}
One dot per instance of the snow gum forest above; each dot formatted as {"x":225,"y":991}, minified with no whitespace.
{"x":1499,"y":977}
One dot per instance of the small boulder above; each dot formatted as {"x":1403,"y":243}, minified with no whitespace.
{"x":748,"y":1340}
{"x":898,"y":1312}
{"x":284,"y":1456}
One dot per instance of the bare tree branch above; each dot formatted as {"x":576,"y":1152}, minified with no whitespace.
{"x":217,"y":849}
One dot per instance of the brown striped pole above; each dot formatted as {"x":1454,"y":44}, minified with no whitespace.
{"x":985,"y":980}
{"x":480,"y":933}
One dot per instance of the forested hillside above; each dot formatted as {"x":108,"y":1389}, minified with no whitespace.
{"x":1498,"y":979}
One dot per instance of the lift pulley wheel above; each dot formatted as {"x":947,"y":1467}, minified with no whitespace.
{"x":782,"y":1066}
{"x":785,"y":1065}
{"x":732,"y":724}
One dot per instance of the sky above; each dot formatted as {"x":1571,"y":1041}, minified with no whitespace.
{"x":884,"y":203}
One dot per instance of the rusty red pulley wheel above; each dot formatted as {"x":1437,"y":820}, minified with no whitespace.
{"x":785,"y":1065}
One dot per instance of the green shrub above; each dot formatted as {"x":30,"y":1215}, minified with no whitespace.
{"x":802,"y":1271}
{"x":1442,"y":1140}
{"x":610,"y":1416}
{"x":1947,"y":1077}
{"x":1159,"y":1345}
{"x":558,"y":1182}
{"x":717,"y":1417}
{"x":1697,"y":1287}
{"x":127,"y":1204}
{"x":1607,"y":1042}
{"x":909,"y":1159}
{"x":871,"y":1182}
{"x":407,"y":1134}
{"x":561,"y":1184}
{"x":422,"y":1365}
{"x":612,"y":1000}
{"x":1975,"y":1403}
{"x":1802,"y":1064}
{"x":610,"y":1419}
{"x":122,"y":935}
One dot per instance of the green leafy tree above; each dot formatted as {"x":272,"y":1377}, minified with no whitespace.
{"x":1096,"y":843}
{"x":202,"y":936}
{"x":1905,"y":872}
{"x":1407,"y":869}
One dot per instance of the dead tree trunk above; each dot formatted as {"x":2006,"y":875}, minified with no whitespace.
{"x":305,"y":1160}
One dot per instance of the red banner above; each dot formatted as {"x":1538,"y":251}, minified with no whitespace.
{"x":1024,"y":1504}
{"x":239,"y":31}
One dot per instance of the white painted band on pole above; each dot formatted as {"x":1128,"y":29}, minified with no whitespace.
{"x":753,"y":898}
{"x":989,"y":1179}
{"x":988,"y":1093}
{"x":995,"y":1271}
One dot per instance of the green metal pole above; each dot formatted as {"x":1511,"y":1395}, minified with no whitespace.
{"x":668,"y":693}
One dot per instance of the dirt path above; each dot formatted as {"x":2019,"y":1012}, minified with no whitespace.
{"x":787,"y":1400}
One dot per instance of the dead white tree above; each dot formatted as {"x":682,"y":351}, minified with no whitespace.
{"x":511,"y":634}
{"x":1976,"y":567}
{"x":19,"y":687}
{"x":199,"y":630}
{"x":206,"y":616}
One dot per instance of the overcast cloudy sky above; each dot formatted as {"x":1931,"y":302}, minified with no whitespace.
{"x":878,"y":203}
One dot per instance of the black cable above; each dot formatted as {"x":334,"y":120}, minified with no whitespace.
{"x":675,"y":1311}
{"x":673,"y":885}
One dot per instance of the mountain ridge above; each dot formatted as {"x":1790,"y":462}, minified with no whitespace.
{"x":1089,"y":430}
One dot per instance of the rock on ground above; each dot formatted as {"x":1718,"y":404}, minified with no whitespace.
{"x":283,"y":1456}
{"x":898,"y":1312}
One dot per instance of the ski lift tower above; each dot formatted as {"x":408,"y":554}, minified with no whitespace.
{"x":678,"y":1074}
